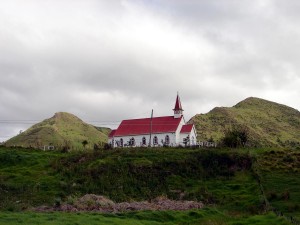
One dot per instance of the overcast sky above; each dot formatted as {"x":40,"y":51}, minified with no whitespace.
{"x":105,"y":61}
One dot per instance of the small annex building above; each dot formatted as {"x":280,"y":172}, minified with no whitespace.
{"x":155,"y":131}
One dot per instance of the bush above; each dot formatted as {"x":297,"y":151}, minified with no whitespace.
{"x":236,"y":136}
{"x":272,"y":195}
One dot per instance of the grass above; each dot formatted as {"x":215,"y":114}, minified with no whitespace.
{"x":268,"y":123}
{"x":25,"y":178}
{"x":221,"y":178}
{"x":213,"y":177}
{"x":204,"y":216}
{"x":56,"y":130}
{"x":31,"y":178}
{"x":281,"y":179}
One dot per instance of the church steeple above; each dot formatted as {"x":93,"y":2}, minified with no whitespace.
{"x":178,"y":111}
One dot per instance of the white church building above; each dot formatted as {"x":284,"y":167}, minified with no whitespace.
{"x":155,"y":131}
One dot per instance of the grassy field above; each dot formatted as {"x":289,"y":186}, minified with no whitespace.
{"x":223,"y":179}
{"x":204,"y":216}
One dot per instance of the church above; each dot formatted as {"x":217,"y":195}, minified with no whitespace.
{"x":155,"y":131}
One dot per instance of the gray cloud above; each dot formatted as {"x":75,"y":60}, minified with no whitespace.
{"x":110,"y":60}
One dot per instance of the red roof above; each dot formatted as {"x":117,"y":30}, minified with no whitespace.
{"x":166,"y":124}
{"x":178,"y":104}
{"x":186,"y":128}
{"x":112,"y":133}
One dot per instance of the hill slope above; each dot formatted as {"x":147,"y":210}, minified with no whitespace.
{"x":226,"y":181}
{"x":269,"y":123}
{"x":61,"y":130}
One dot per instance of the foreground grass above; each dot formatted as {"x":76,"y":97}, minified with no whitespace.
{"x":26,"y":178}
{"x":280,"y":173}
{"x":204,"y":216}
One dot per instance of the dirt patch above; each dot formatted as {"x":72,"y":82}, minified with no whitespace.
{"x":98,"y":203}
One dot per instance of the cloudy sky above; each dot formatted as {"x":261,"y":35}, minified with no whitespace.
{"x":105,"y":61}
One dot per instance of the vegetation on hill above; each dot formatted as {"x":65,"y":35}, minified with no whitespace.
{"x":280,"y":177}
{"x":63,"y":131}
{"x":213,"y":177}
{"x":267,"y":123}
{"x":240,"y":183}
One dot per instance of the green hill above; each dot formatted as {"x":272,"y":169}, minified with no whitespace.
{"x":63,"y":130}
{"x":268,"y":123}
{"x":237,"y":186}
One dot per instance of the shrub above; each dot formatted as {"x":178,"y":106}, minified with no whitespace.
{"x":285,"y":195}
{"x":288,"y":158}
{"x":272,"y":195}
{"x":236,"y":136}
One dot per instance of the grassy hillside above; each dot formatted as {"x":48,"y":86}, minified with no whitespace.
{"x":227,"y":181}
{"x":34,"y":178}
{"x":62,"y":130}
{"x":280,"y":175}
{"x":268,"y":123}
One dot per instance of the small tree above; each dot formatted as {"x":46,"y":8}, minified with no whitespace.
{"x":84,"y":143}
{"x":235,"y":137}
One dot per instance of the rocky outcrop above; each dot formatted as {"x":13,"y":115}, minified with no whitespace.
{"x":96,"y":203}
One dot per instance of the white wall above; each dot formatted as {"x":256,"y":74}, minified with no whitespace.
{"x":178,"y":139}
{"x":192,"y":135}
{"x":138,"y":139}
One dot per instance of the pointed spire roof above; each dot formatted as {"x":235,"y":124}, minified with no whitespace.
{"x":178,"y":104}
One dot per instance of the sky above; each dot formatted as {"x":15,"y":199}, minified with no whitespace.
{"x":105,"y":61}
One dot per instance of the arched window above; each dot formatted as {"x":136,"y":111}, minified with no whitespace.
{"x":132,"y":142}
{"x":144,"y":141}
{"x":155,"y":140}
{"x":121,"y":142}
{"x":167,"y":140}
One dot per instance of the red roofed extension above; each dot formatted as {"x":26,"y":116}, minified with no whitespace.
{"x":186,"y":128}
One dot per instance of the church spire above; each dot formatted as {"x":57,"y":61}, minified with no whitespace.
{"x":178,"y":108}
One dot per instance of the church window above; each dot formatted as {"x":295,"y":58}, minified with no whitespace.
{"x":144,"y":141}
{"x":167,"y":140}
{"x":121,"y":142}
{"x":132,"y":142}
{"x":155,"y":140}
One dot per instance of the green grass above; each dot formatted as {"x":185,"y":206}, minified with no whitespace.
{"x":204,"y":216}
{"x":211,"y":176}
{"x":26,"y":178}
{"x":280,"y":173}
{"x":222,"y":178}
